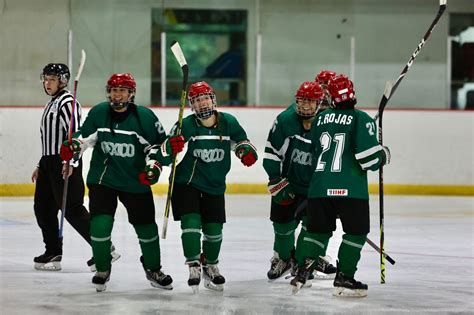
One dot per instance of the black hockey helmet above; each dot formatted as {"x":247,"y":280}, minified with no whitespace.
{"x":58,"y":69}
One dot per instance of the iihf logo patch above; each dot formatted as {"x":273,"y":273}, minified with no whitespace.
{"x":337,"y":192}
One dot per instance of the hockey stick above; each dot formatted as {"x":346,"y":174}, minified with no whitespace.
{"x":178,"y":54}
{"x":69,"y":139}
{"x":389,"y":90}
{"x":303,"y":205}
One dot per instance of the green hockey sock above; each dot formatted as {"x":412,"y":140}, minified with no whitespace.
{"x":212,"y":240}
{"x":312,"y":246}
{"x":301,"y":236}
{"x":101,"y":230}
{"x":149,"y":245}
{"x":349,"y":253}
{"x":191,"y":236}
{"x":284,"y":239}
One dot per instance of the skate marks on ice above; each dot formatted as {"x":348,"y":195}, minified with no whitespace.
{"x":430,"y":237}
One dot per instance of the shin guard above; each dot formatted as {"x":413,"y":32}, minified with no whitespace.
{"x":101,"y":229}
{"x":149,"y":245}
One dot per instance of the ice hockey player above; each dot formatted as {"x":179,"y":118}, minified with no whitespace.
{"x":123,"y":135}
{"x":345,"y":140}
{"x":198,"y":194}
{"x":289,"y":163}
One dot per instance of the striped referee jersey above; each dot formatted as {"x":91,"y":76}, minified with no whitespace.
{"x":55,"y":122}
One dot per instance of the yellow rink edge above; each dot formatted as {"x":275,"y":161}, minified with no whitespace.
{"x":389,"y":189}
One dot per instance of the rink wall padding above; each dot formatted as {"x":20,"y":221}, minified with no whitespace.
{"x":432,"y":150}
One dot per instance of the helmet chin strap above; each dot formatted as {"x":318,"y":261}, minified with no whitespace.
{"x":120,"y":105}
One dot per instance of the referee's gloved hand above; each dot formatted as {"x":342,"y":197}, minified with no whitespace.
{"x":151,"y":174}
{"x":70,"y":150}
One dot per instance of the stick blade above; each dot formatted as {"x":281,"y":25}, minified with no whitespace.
{"x":178,"y":53}
{"x":81,"y":65}
{"x":388,"y":89}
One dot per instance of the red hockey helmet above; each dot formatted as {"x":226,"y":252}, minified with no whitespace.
{"x":341,"y":89}
{"x":198,"y":92}
{"x":310,"y":90}
{"x":308,"y":97}
{"x":324,"y":76}
{"x":124,"y":80}
{"x":121,"y":80}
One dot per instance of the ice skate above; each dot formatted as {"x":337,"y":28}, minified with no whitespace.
{"x":157,"y":278}
{"x":278,"y":267}
{"x":348,"y":287}
{"x":100,"y":280}
{"x":213,"y":280}
{"x":48,"y":262}
{"x":302,"y":275}
{"x":115,"y":257}
{"x":324,"y":269}
{"x":194,"y":275}
{"x":294,"y":272}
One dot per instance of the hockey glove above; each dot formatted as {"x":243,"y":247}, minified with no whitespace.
{"x":387,"y":155}
{"x":151,"y":174}
{"x":70,"y":151}
{"x":281,"y":191}
{"x":172,"y":146}
{"x":246,"y":152}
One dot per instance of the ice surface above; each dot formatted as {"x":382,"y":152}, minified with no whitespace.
{"x":431,"y":239}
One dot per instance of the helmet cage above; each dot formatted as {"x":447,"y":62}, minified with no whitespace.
{"x":306,"y":108}
{"x":201,"y":110}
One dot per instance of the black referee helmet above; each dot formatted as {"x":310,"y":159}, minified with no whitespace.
{"x":58,"y":69}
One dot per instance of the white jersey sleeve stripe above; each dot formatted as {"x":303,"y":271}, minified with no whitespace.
{"x":368,"y":152}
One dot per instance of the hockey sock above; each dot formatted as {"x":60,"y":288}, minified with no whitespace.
{"x":212,"y":240}
{"x":191,"y":236}
{"x":101,"y":229}
{"x":301,"y":236}
{"x":312,"y":246}
{"x":284,"y":239}
{"x":349,"y":253}
{"x":149,"y":244}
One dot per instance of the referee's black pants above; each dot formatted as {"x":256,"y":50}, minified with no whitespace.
{"x":48,"y":199}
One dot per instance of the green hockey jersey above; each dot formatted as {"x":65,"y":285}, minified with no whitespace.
{"x":121,"y":148}
{"x":346,"y":146}
{"x":288,"y":152}
{"x":207,"y":155}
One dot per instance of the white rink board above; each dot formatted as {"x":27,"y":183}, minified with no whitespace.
{"x":428,"y":147}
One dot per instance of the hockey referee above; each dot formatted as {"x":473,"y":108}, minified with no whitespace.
{"x":48,"y":172}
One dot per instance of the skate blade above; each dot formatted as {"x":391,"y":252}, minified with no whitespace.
{"x":308,"y":284}
{"x":282,"y":275}
{"x":195,"y":288}
{"x":295,"y":289}
{"x":164,"y":287}
{"x":323,"y":276}
{"x":51,"y":266}
{"x":214,"y":287}
{"x":100,"y":287}
{"x":345,"y":292}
